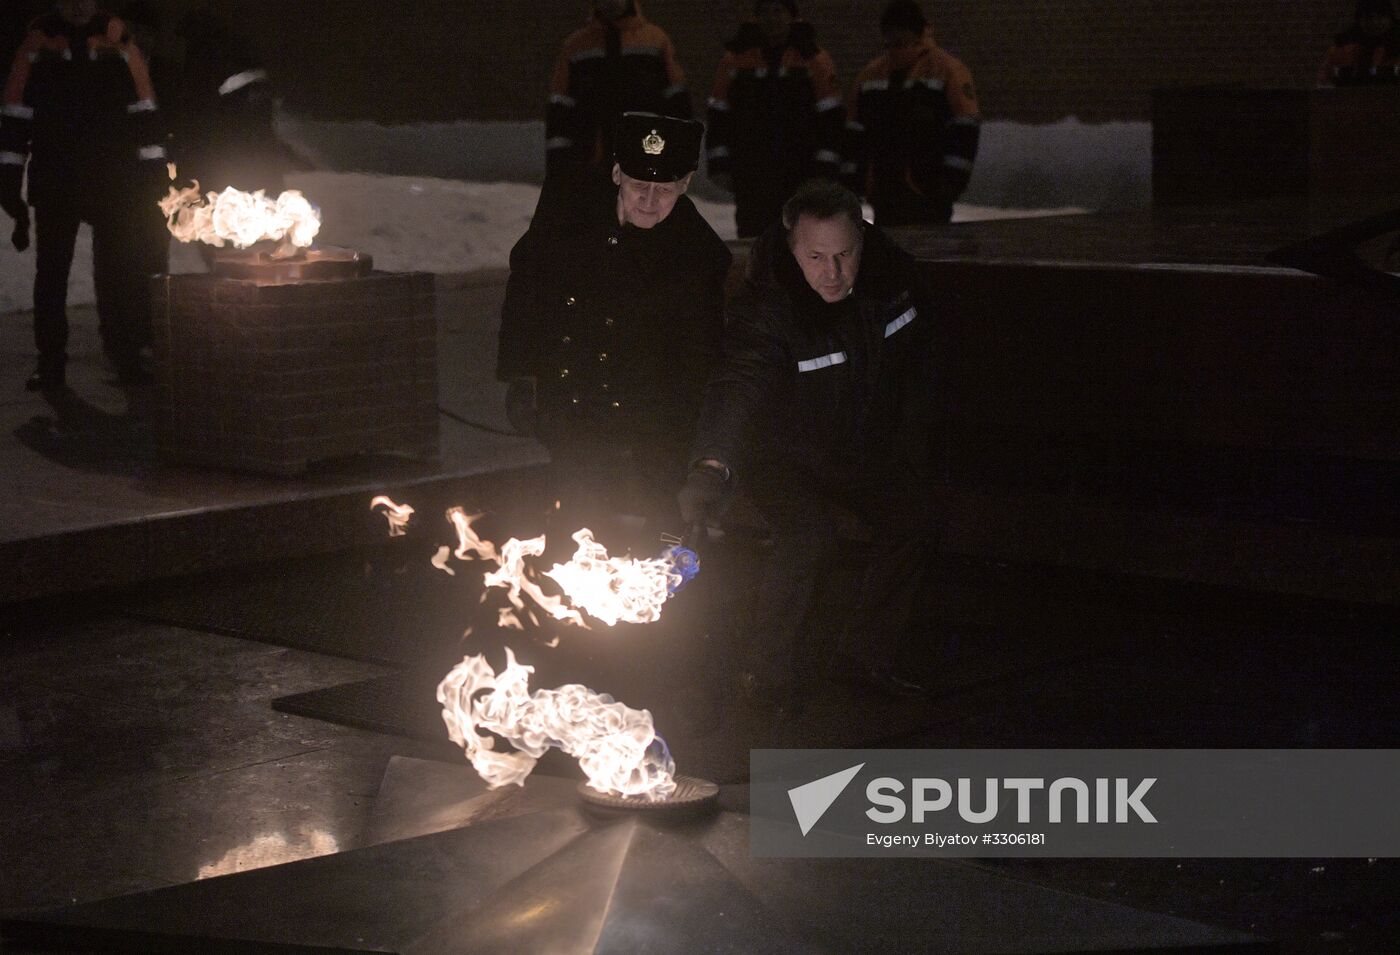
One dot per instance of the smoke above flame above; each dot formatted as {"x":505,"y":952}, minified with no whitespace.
{"x":616,"y":746}
{"x":240,"y":219}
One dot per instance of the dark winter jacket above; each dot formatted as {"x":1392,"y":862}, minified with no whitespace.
{"x":823,"y":387}
{"x":912,"y":138}
{"x":604,"y":70}
{"x":619,"y":325}
{"x":775,"y":120}
{"x":225,"y":133}
{"x":79,"y":105}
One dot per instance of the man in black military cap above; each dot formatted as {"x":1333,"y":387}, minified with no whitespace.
{"x":611,"y":323}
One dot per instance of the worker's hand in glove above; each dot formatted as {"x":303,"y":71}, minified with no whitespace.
{"x":705,"y":493}
{"x":20,"y":237}
{"x":521,"y":410}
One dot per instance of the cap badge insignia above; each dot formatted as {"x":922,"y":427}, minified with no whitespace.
{"x":653,"y":144}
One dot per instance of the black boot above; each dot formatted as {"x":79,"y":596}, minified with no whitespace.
{"x":49,"y":376}
{"x":130,"y":366}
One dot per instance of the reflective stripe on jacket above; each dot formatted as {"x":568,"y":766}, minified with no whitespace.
{"x":605,"y":69}
{"x":912,"y":127}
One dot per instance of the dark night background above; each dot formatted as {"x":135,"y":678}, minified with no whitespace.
{"x":445,"y":60}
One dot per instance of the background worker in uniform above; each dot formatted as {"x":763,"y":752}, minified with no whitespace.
{"x":149,"y":234}
{"x":776,"y":115}
{"x":822,"y":405}
{"x":1367,"y":51}
{"x":611,"y":323}
{"x":80,"y":109}
{"x":224,"y":119}
{"x":913,"y":124}
{"x":618,"y":62}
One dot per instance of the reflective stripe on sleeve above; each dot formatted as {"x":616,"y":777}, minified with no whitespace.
{"x":559,"y":99}
{"x":826,"y":155}
{"x":854,"y":126}
{"x":932,"y":82}
{"x":141,"y":106}
{"x":830,"y":102}
{"x":720,"y":105}
{"x":869,"y":85}
{"x":11,"y":159}
{"x":17,"y":110}
{"x":900,"y":322}
{"x":825,"y":361}
{"x":151,"y":152}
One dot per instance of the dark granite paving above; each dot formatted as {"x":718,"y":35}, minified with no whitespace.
{"x":136,"y":755}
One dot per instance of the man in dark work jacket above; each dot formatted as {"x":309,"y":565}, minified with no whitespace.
{"x":612,"y":321}
{"x":821,"y":405}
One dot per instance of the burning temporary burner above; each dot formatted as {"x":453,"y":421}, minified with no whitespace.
{"x":238,"y":218}
{"x":284,"y":355}
{"x":258,"y":237}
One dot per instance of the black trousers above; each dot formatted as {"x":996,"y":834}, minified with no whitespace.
{"x":595,"y":477}
{"x":123,"y":313}
{"x":805,"y":510}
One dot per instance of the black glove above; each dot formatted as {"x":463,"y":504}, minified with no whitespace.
{"x":521,"y":410}
{"x":705,"y":493}
{"x":20,"y":237}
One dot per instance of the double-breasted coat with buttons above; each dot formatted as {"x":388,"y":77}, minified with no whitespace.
{"x":619,"y":326}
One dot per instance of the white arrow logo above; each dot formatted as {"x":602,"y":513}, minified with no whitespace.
{"x":810,"y":801}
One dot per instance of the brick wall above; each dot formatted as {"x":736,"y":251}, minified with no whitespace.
{"x":1034,"y":60}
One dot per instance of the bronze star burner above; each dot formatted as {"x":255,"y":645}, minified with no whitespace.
{"x":691,"y":794}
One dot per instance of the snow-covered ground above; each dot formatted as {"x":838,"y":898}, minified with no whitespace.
{"x":1066,"y":163}
{"x":425,"y":221}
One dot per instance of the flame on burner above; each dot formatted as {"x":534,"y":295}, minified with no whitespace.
{"x":238,"y":218}
{"x":616,"y":746}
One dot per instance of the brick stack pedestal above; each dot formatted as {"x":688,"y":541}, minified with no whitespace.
{"x":271,"y":378}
